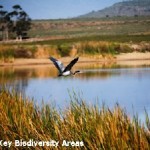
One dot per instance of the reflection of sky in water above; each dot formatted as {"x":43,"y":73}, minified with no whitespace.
{"x":130,"y":88}
{"x":127,"y":86}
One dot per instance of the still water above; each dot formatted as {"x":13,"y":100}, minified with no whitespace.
{"x":130,"y":87}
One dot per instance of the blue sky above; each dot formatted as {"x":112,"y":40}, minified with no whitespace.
{"x":55,"y":9}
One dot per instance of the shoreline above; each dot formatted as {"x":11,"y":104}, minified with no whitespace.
{"x":134,"y":58}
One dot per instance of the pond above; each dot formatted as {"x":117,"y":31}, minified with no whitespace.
{"x":96,"y":84}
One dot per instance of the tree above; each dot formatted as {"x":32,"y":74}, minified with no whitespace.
{"x":21,"y":21}
{"x":15,"y":22}
{"x":5,"y":23}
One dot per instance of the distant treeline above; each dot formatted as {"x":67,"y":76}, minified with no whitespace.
{"x":14,"y":24}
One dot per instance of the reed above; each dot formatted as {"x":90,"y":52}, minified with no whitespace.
{"x":103,"y":47}
{"x":6,"y":54}
{"x":98,"y":128}
{"x":64,"y":47}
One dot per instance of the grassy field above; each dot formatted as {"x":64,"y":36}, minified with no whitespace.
{"x":89,"y":27}
{"x":94,"y":127}
{"x":84,"y":36}
{"x":117,"y":29}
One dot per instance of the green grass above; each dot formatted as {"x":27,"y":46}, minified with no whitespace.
{"x":107,"y":38}
{"x":98,"y":128}
{"x":89,"y":27}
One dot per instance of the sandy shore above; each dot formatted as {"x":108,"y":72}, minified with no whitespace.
{"x":134,"y":58}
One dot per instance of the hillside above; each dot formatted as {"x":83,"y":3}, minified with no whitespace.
{"x":125,"y":8}
{"x":90,"y":27}
{"x":134,"y":20}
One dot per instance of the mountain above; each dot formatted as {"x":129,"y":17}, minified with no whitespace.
{"x":125,"y":8}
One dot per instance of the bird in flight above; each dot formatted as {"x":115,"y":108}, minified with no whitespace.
{"x":64,"y":71}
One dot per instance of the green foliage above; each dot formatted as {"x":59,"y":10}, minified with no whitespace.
{"x":64,"y":49}
{"x":111,"y":50}
{"x":16,"y":21}
{"x":86,"y":48}
{"x":7,"y":53}
{"x":22,"y":21}
{"x":99,"y":48}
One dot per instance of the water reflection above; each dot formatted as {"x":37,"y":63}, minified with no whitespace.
{"x":127,"y":86}
{"x":19,"y":77}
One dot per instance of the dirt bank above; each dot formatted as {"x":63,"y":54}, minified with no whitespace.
{"x":133,"y":59}
{"x":133,"y":56}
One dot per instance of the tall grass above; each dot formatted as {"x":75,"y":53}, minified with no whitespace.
{"x":10,"y":52}
{"x":65,"y":48}
{"x":98,"y":128}
{"x":103,"y":48}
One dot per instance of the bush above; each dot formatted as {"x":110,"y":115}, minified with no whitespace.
{"x":124,"y":48}
{"x":22,"y":53}
{"x":64,"y":49}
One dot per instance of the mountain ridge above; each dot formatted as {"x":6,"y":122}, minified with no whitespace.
{"x":125,"y":8}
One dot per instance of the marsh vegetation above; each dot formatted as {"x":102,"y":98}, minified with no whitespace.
{"x":98,"y":128}
{"x":9,"y":52}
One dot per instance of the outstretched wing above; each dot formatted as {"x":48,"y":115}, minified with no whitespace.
{"x":70,"y":65}
{"x":58,"y":64}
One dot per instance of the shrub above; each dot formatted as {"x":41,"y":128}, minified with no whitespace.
{"x":22,"y":53}
{"x":124,"y":48}
{"x":64,"y":49}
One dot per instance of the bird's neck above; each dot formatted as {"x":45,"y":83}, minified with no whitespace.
{"x":76,"y":72}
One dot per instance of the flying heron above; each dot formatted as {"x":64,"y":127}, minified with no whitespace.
{"x":64,"y":71}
